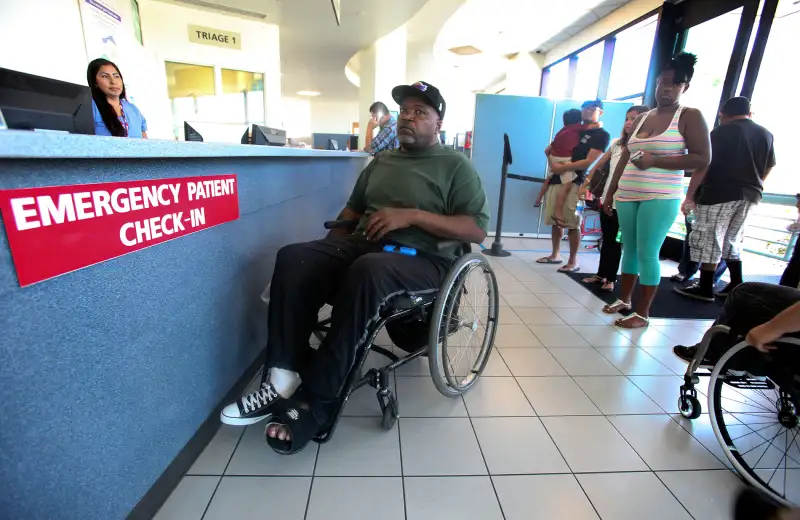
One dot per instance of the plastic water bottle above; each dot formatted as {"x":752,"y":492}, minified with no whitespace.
{"x":619,"y":236}
{"x":579,"y":208}
{"x":691,"y":218}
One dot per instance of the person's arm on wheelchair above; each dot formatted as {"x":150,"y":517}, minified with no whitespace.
{"x":449,"y":227}
{"x":786,"y":322}
{"x":467,"y":221}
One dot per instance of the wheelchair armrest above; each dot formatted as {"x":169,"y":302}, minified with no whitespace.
{"x":341,"y":224}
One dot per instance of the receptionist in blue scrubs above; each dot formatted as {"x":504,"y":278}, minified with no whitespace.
{"x":113,"y":114}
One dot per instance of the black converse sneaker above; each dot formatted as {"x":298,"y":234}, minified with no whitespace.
{"x":693,"y":291}
{"x":251,"y":408}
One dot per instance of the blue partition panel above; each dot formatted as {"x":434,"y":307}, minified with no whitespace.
{"x":107,"y":372}
{"x":531,"y":123}
{"x":528,"y":123}
{"x":320,"y":141}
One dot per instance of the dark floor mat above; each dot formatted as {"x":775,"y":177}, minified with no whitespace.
{"x":667,"y":304}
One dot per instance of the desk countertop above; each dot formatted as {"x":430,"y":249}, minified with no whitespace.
{"x":16,"y":144}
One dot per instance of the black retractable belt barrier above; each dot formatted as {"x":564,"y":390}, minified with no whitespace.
{"x":497,"y":245}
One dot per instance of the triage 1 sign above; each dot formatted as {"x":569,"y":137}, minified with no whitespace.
{"x":58,"y":229}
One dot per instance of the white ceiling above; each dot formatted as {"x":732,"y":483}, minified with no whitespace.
{"x":603,"y":9}
{"x":314,"y":49}
{"x":504,"y":27}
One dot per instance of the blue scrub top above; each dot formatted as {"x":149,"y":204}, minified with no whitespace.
{"x":136,"y":121}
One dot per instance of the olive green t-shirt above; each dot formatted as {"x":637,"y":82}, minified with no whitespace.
{"x":438,"y":180}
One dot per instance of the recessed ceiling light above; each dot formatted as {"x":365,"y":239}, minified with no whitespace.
{"x":309,"y":93}
{"x":465,"y":50}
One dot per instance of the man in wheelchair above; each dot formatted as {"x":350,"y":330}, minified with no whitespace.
{"x":758,"y":311}
{"x":414,"y":197}
{"x":757,"y":396}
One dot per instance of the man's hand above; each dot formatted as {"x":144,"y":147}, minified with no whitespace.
{"x":388,"y":219}
{"x":558,"y":167}
{"x":688,"y":206}
{"x":647,"y":160}
{"x":760,"y":337}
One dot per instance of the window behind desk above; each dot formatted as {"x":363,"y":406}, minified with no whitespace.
{"x":219,"y":103}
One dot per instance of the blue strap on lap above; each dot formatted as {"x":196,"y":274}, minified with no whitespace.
{"x":410,"y":251}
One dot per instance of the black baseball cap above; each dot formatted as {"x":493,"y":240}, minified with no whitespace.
{"x":421,"y":90}
{"x":594,"y":103}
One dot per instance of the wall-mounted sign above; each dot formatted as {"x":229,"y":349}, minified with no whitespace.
{"x":209,"y":36}
{"x":54,"y":230}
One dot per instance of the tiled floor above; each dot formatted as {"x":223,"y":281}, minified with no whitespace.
{"x":572,"y":419}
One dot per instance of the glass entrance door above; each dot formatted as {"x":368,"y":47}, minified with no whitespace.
{"x":712,"y":41}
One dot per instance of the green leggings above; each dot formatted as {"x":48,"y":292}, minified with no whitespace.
{"x":644,"y":226}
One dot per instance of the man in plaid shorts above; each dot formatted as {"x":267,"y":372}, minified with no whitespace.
{"x":722,"y":196}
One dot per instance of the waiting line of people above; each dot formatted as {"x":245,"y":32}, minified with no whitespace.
{"x":642,"y":191}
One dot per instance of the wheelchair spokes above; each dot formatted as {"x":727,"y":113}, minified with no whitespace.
{"x":756,"y":421}
{"x":462,"y":348}
{"x":467,"y":322}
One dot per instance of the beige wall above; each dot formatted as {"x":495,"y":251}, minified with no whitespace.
{"x":43,"y":37}
{"x":622,"y":16}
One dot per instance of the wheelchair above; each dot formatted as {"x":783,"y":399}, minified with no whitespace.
{"x":753,"y":404}
{"x":455,"y":328}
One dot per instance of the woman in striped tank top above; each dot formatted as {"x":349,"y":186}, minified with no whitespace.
{"x":648,"y":184}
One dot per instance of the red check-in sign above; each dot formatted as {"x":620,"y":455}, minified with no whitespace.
{"x":58,"y":229}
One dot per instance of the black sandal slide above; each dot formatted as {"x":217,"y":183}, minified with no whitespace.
{"x":301,"y":425}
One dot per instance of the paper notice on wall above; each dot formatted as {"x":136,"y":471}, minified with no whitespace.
{"x":101,"y":29}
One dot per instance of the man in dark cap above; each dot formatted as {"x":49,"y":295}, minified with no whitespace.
{"x":591,"y":146}
{"x":414,"y":196}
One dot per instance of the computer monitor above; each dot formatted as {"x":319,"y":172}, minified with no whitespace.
{"x":190,"y":134}
{"x":353,"y":144}
{"x":263,"y":135}
{"x":31,"y":102}
{"x":333,"y":144}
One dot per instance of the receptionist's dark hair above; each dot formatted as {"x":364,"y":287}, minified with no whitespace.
{"x":107,"y":112}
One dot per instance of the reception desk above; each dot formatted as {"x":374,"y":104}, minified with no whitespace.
{"x":110,"y":375}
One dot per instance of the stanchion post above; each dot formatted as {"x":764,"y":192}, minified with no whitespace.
{"x":497,"y":245}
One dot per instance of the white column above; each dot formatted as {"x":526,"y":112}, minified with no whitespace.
{"x":383,"y":67}
{"x":524,"y":74}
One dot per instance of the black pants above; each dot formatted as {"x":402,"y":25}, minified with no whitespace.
{"x":791,"y":276}
{"x":749,"y":305}
{"x":357,"y":278}
{"x":611,"y":250}
{"x":688,"y":268}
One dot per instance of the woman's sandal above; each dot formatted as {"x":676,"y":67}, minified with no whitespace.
{"x":300,"y":424}
{"x":607,"y":286}
{"x":619,"y":305}
{"x":593,"y":279}
{"x":624,"y":322}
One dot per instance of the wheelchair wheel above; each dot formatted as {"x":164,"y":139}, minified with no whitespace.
{"x":753,"y":401}
{"x":463,"y":325}
{"x":689,"y":407}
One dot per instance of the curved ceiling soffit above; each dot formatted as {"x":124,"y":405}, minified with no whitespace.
{"x":422,"y":31}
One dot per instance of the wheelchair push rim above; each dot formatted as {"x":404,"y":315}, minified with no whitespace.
{"x":756,"y":423}
{"x":463,"y":325}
